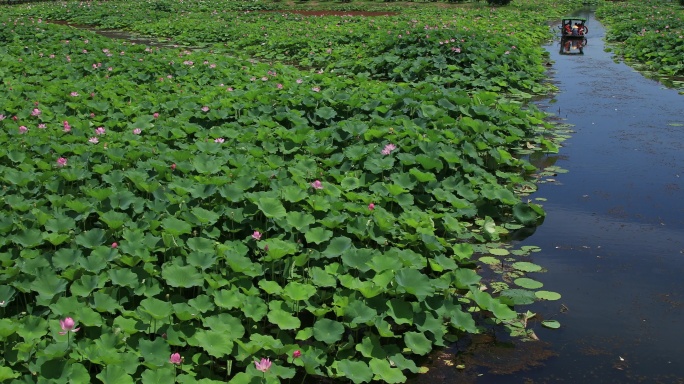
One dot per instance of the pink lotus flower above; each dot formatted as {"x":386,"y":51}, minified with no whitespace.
{"x":94,"y":140}
{"x":256,"y":235}
{"x":296,"y":354}
{"x":299,"y":81}
{"x":371,"y":206}
{"x":67,"y":326}
{"x":262,"y":365}
{"x":173,"y":166}
{"x":175,"y":359}
{"x":67,"y":127}
{"x":42,"y":126}
{"x":219,"y":140}
{"x":316,"y":89}
{"x":100,"y":131}
{"x":137,"y":131}
{"x":388,"y":149}
{"x":61,"y":162}
{"x":35,"y":112}
{"x":279,"y":86}
{"x":205,"y":109}
{"x":155,"y":115}
{"x":230,"y":89}
{"x":2,"y":117}
{"x":317,"y":184}
{"x":115,"y":245}
{"x":73,"y":94}
{"x":23,"y":129}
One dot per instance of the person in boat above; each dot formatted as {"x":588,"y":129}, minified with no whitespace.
{"x":575,"y":30}
{"x":567,"y":29}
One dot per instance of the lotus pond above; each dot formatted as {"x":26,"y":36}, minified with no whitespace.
{"x":293,"y":197}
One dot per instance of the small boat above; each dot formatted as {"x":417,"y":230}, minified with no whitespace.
{"x":573,"y":27}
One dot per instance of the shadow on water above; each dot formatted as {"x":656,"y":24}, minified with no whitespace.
{"x":612,"y":242}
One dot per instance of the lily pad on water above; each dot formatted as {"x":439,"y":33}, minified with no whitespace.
{"x":547,"y":295}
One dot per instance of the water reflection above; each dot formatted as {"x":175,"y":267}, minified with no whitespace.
{"x":572,"y":45}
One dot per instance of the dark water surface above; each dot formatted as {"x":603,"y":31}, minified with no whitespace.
{"x":613,"y":239}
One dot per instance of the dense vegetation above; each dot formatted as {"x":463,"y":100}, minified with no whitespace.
{"x":647,"y":32}
{"x":308,"y":190}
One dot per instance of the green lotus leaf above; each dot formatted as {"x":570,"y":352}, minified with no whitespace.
{"x":122,"y":199}
{"x":359,"y":313}
{"x":328,"y":331}
{"x":326,"y":113}
{"x":415,"y":282}
{"x":114,"y":374}
{"x":300,"y":220}
{"x":278,"y":248}
{"x":272,"y":208}
{"x":360,"y":258}
{"x":229,"y":325}
{"x":526,"y":266}
{"x":553,"y":324}
{"x":254,"y":307}
{"x":318,"y":235}
{"x":463,"y":251}
{"x":356,"y":371}
{"x":270,"y":287}
{"x":528,"y":283}
{"x":418,"y":343}
{"x":123,"y":277}
{"x":499,"y":251}
{"x":156,"y":308}
{"x":517,"y":297}
{"x":205,"y":216}
{"x":176,"y":227}
{"x":103,"y":302}
{"x":401,"y":311}
{"x":200,"y":244}
{"x":297,"y":291}
{"x":159,"y":376}
{"x":321,"y":278}
{"x":32,"y":328}
{"x":114,"y":220}
{"x":337,"y":246}
{"x":488,"y":303}
{"x":155,"y":352}
{"x":86,"y":284}
{"x":28,"y":238}
{"x":350,"y":183}
{"x":383,"y":371}
{"x":527,"y":214}
{"x":7,"y":373}
{"x":205,"y":163}
{"x":202,"y":260}
{"x":547,"y":295}
{"x":228,"y":299}
{"x":48,"y":285}
{"x":293,"y":194}
{"x":182,"y":276}
{"x":490,"y":260}
{"x":284,"y":320}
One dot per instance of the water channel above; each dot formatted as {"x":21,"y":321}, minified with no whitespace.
{"x":613,"y":238}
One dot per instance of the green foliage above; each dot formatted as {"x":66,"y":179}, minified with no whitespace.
{"x":647,"y":33}
{"x":193,"y":222}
